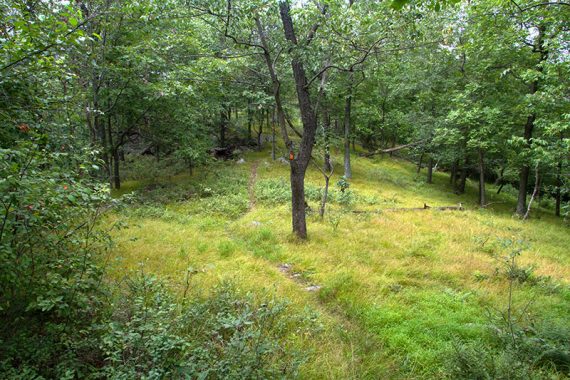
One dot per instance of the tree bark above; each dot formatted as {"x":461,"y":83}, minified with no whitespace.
{"x":463,"y":177}
{"x":529,"y":126}
{"x":223,"y":125}
{"x":558,"y":189}
{"x":299,"y":164}
{"x":534,"y":193}
{"x":273,"y":153}
{"x":249,"y":120}
{"x":525,"y":170}
{"x":347,"y":112}
{"x":430,"y":171}
{"x":420,"y":163}
{"x":260,"y":131}
{"x":482,"y":201}
{"x":453,"y":174}
{"x":116,"y":174}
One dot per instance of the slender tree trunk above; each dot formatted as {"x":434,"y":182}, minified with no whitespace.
{"x":273,"y":142}
{"x":347,"y":112}
{"x":327,"y":167}
{"x":463,"y":177}
{"x":482,"y":201}
{"x":115,"y":179}
{"x":453,"y":174}
{"x":260,"y":131}
{"x":116,"y":174}
{"x":249,"y":120}
{"x":525,"y":170}
{"x":430,"y":170}
{"x":534,"y":193}
{"x":325,"y":197}
{"x":223,"y":126}
{"x":308,"y":117}
{"x":529,"y":126}
{"x":420,"y":163}
{"x":558,"y":189}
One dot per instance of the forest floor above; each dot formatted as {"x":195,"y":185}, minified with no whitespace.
{"x":392,"y":291}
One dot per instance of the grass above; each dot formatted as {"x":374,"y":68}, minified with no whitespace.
{"x":397,"y":288}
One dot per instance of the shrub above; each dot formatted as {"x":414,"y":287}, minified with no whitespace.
{"x":49,"y":246}
{"x":226,"y":335}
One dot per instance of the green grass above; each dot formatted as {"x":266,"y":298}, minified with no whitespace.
{"x":397,"y":287}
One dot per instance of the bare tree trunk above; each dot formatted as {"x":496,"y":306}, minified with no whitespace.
{"x":249,"y":120}
{"x":463,"y":177}
{"x":430,"y":170}
{"x":525,"y":170}
{"x":308,"y":117}
{"x":482,"y":201}
{"x":116,"y":174}
{"x":453,"y":174}
{"x":273,"y":135}
{"x":529,"y":126}
{"x":260,"y":131}
{"x":420,"y":163}
{"x":223,"y":126}
{"x":325,"y":196}
{"x":115,"y":178}
{"x":327,"y":167}
{"x":534,"y":193}
{"x":347,"y":112}
{"x":558,"y":189}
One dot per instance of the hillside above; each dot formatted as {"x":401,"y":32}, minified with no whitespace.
{"x":394,"y":293}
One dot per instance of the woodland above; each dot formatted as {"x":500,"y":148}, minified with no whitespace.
{"x":283,"y":189}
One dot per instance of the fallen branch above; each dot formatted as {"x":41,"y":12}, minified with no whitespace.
{"x":426,"y":207}
{"x":394,"y":149}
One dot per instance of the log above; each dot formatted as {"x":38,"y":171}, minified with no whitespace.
{"x":426,"y":207}
{"x":391,"y":150}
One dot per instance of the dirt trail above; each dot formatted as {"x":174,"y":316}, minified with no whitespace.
{"x":251,"y":185}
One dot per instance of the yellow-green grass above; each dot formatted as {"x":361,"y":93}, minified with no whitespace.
{"x":398,"y":287}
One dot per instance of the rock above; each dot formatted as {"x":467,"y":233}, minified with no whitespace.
{"x":312,"y":288}
{"x":285,"y":267}
{"x":255,"y":223}
{"x":283,"y":160}
{"x":241,"y":161}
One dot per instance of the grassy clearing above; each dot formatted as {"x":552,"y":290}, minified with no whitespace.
{"x":397,"y":288}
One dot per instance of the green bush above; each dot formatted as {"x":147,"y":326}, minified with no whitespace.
{"x":225,"y":336}
{"x":49,"y":246}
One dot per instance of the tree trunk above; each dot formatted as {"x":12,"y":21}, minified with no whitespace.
{"x":347,"y":111}
{"x":298,"y":199}
{"x":308,"y":117}
{"x":420,"y":163}
{"x":114,"y":157}
{"x":453,"y":174}
{"x":327,"y":167}
{"x":534,"y":193}
{"x":273,"y":135}
{"x":529,"y":126}
{"x":325,"y":196}
{"x":430,"y":170}
{"x":558,"y":189}
{"x":116,"y":174}
{"x":249,"y":120}
{"x":482,"y":201}
{"x":116,"y":178}
{"x":463,"y":177}
{"x":260,"y":131}
{"x":223,"y":126}
{"x":525,"y":170}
